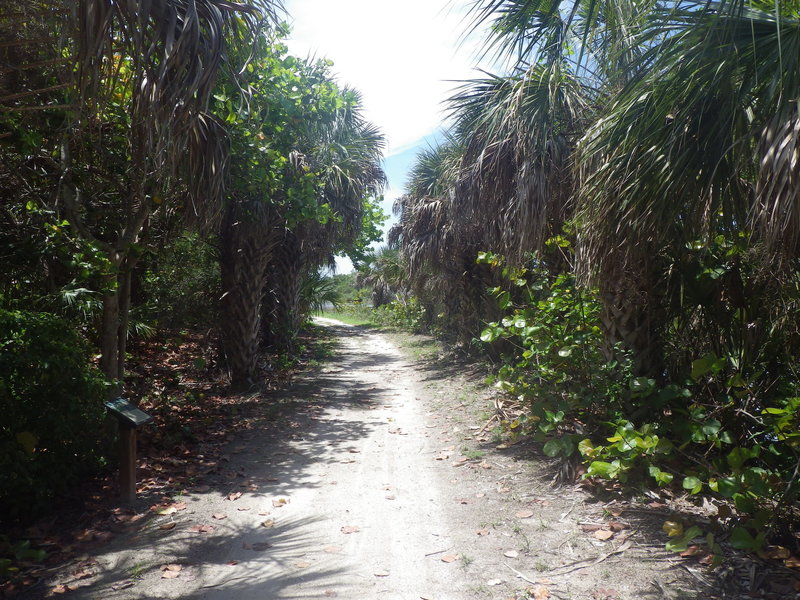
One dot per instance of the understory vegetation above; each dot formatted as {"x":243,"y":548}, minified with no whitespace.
{"x":613,"y":220}
{"x":168,"y":171}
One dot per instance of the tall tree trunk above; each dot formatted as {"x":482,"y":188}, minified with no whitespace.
{"x":280,"y":314}
{"x":631,"y":317}
{"x":247,"y":240}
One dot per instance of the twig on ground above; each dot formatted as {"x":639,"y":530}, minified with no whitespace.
{"x":566,"y":514}
{"x":597,"y":561}
{"x":438,"y":551}
{"x":520,"y":575}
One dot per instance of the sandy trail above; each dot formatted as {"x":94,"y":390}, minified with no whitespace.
{"x":362,"y":463}
{"x":360,"y":479}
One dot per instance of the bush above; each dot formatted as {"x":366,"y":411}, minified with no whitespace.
{"x":51,"y":402}
{"x":182,"y":284}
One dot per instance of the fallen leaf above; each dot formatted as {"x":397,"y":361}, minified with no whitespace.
{"x":511,"y":554}
{"x":539,"y":592}
{"x":122,"y":585}
{"x":278,"y":502}
{"x":243,"y":508}
{"x":332,"y":549}
{"x":617,"y":526}
{"x":302,"y":564}
{"x":202,"y":528}
{"x":448,"y":558}
{"x":774,"y":553}
{"x":601,"y":594}
{"x":691,"y":551}
{"x":168,"y":526}
{"x":180,"y":505}
{"x":707,"y":559}
{"x":172,"y":567}
{"x":390,"y":497}
{"x":170,"y":575}
{"x":167,"y":510}
{"x":219,"y":516}
{"x":350,"y":529}
{"x":269,"y":523}
{"x":590,"y":527}
{"x":232,"y":562}
{"x":672,"y":528}
{"x":792,"y":562}
{"x":603,"y":534}
{"x":524,"y":514}
{"x":234,"y":496}
{"x":60,"y":589}
{"x":381,"y":573}
{"x":494,"y":582}
{"x":482,"y":532}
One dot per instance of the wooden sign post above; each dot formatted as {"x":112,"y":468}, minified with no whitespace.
{"x":130,"y":419}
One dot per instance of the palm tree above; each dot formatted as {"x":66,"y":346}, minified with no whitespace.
{"x":132,"y":101}
{"x":704,"y":140}
{"x":346,"y":152}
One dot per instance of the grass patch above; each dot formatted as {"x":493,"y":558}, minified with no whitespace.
{"x":352,"y":315}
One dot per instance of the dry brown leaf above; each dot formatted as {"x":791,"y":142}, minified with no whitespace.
{"x":170,"y":575}
{"x":202,"y":528}
{"x":219,"y":516}
{"x":180,"y":505}
{"x":617,"y":526}
{"x":381,"y":573}
{"x":269,"y":523}
{"x":590,"y":527}
{"x":390,"y":497}
{"x":172,"y":567}
{"x":332,"y":549}
{"x":279,"y":502}
{"x":524,"y":514}
{"x":167,"y":526}
{"x":350,"y":529}
{"x":448,"y":558}
{"x":539,"y":592}
{"x":482,"y":532}
{"x":774,"y":553}
{"x":60,"y":589}
{"x":167,"y":510}
{"x":511,"y":554}
{"x":243,"y":508}
{"x":691,"y":551}
{"x":234,"y":496}
{"x":302,"y":564}
{"x":792,"y":562}
{"x":603,"y":534}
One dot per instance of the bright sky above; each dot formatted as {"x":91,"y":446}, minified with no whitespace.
{"x":404,"y":58}
{"x":400,"y":55}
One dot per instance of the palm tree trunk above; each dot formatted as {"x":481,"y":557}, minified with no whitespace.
{"x":247,"y":243}
{"x":280,"y":321}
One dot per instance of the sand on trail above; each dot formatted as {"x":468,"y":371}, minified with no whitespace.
{"x":364,"y":494}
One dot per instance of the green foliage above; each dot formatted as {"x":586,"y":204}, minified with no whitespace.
{"x":706,"y":432}
{"x":403,"y":314}
{"x":182,"y":284}
{"x":318,"y":292}
{"x":51,"y":402}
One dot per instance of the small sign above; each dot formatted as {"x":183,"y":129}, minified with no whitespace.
{"x":127,"y":413}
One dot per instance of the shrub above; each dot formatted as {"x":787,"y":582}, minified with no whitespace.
{"x":51,"y":402}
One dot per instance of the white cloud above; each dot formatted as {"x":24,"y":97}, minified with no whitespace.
{"x":402,"y":56}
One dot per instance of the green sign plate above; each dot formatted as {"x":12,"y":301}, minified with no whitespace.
{"x":127,"y":412}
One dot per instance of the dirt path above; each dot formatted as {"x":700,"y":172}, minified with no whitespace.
{"x":380,"y":486}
